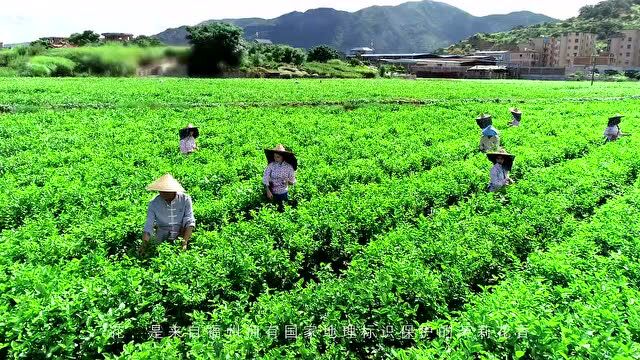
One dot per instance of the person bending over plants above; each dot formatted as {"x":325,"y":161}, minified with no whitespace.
{"x":279,"y":174}
{"x":612,"y":132}
{"x":502,"y":164}
{"x":170,"y":214}
{"x":490,"y":139}
{"x":517,"y":116}
{"x":188,"y":138}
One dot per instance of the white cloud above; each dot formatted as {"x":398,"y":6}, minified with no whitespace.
{"x":25,"y":20}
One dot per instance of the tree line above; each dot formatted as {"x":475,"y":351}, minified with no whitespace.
{"x":218,"y":46}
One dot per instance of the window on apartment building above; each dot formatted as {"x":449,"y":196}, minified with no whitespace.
{"x":575,"y":54}
{"x":629,"y":39}
{"x":626,"y":63}
{"x":575,"y":48}
{"x":629,"y":46}
{"x":628,"y":54}
{"x":577,"y":40}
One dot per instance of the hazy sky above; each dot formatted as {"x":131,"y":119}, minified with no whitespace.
{"x":26,"y":20}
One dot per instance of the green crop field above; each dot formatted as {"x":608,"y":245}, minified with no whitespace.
{"x":391,"y":247}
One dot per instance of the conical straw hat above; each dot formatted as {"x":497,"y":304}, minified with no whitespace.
{"x":184,"y":132}
{"x":615,"y":120}
{"x":508,"y":158}
{"x":288,"y":156}
{"x":484,"y":120}
{"x":166,"y":183}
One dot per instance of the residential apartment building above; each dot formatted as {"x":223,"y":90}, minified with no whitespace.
{"x":626,"y":49}
{"x":525,"y":58}
{"x":545,"y":47}
{"x":561,"y":51}
{"x":570,"y":46}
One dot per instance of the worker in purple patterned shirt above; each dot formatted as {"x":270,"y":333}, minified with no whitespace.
{"x":612,"y":132}
{"x":188,"y":138}
{"x":279,"y":174}
{"x":499,"y":174}
{"x":517,"y":116}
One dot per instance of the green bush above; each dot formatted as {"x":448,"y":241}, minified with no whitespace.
{"x":391,"y":224}
{"x":7,"y":72}
{"x":355,"y":62}
{"x":339,"y":69}
{"x":35,"y":70}
{"x":36,"y":49}
{"x":110,"y":60}
{"x":58,"y":66}
{"x":8,"y":56}
{"x":323,"y":53}
{"x":180,"y":53}
{"x":22,"y":50}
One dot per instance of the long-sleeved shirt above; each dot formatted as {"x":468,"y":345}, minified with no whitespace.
{"x":515,"y":121}
{"x":612,"y":132}
{"x":278,"y":176}
{"x":489,"y":143}
{"x":188,"y":144}
{"x":170,"y":218}
{"x":499,"y":177}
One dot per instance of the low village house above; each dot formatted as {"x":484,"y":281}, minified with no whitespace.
{"x":56,"y":41}
{"x":117,"y":37}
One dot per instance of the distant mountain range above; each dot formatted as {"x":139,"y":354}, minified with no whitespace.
{"x":409,"y":27}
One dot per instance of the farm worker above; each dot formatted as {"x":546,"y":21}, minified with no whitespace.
{"x":517,"y":116}
{"x":171,"y":212}
{"x":490,"y":139}
{"x":279,"y":174}
{"x":188,"y":138}
{"x":612,"y":132}
{"x":503,"y":162}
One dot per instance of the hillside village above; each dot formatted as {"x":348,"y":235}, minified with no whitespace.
{"x":538,"y":58}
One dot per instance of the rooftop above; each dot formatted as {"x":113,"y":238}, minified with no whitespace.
{"x":492,"y":52}
{"x":488,"y":67}
{"x":362,"y":49}
{"x":116,"y":34}
{"x":263,"y":41}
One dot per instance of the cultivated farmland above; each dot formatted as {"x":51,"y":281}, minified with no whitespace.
{"x":391,"y":246}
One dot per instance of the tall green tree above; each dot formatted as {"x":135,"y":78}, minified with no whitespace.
{"x":323,"y":53}
{"x":215,"y":47}
{"x":85,"y":38}
{"x":146,"y":41}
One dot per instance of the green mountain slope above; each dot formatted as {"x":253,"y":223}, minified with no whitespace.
{"x":412,"y":26}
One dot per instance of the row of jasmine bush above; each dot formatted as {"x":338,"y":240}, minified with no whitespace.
{"x":110,"y":60}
